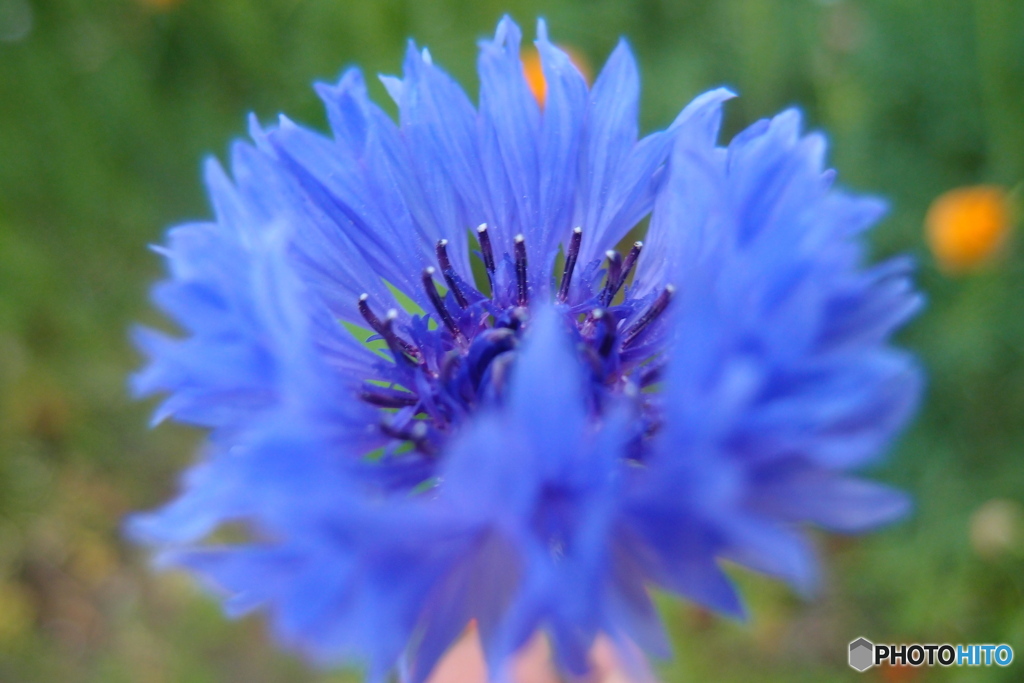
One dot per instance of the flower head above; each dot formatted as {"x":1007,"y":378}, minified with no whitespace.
{"x":438,"y":394}
{"x":967,"y":227}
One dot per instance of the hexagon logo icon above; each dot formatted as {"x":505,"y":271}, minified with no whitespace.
{"x":862,"y":654}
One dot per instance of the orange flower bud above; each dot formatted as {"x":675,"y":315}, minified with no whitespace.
{"x":535,"y":72}
{"x":967,"y":226}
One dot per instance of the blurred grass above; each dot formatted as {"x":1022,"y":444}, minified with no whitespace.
{"x":108,"y":106}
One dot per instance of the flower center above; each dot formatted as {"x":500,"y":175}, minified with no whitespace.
{"x":439,"y":376}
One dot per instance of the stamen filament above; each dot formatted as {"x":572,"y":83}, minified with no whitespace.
{"x":521,"y":282}
{"x":383,"y":397}
{"x":400,"y":349}
{"x":364,"y":309}
{"x":487,"y":252}
{"x":611,"y":285}
{"x":570,"y":263}
{"x":651,"y":374}
{"x":609,"y":323}
{"x":449,"y":273}
{"x":618,"y":278}
{"x":442,"y":311}
{"x":384,"y":330}
{"x":648,"y":317}
{"x":629,"y":264}
{"x":416,"y":434}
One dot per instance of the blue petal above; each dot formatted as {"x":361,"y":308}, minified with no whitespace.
{"x":608,"y":139}
{"x":479,"y":586}
{"x":771,"y":548}
{"x":510,"y":124}
{"x":560,"y":136}
{"x":439,"y":126}
{"x":688,"y":216}
{"x":837,"y":503}
{"x":547,"y":391}
{"x":331,"y":182}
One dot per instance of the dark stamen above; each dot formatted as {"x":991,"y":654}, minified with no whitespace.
{"x":648,"y":317}
{"x":416,"y":434}
{"x":609,"y":324}
{"x":400,"y":349}
{"x":487,"y":252}
{"x":383,"y":397}
{"x":611,"y":284}
{"x":449,"y":273}
{"x":367,"y":313}
{"x":618,"y":278}
{"x":651,"y":374}
{"x":438,"y":302}
{"x":570,"y":263}
{"x":521,"y":283}
{"x":629,"y":263}
{"x":383,"y":330}
{"x":441,"y":249}
{"x":519,"y":315}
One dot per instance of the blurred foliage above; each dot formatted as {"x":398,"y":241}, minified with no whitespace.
{"x":108,"y":106}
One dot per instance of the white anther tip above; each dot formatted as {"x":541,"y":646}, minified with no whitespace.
{"x":364,"y":296}
{"x":392,"y":314}
{"x":520,"y":238}
{"x":482,"y":227}
{"x":670,"y":289}
{"x":578,"y":230}
{"x":429,"y":270}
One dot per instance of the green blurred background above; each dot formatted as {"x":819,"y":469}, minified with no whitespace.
{"x":107,"y":108}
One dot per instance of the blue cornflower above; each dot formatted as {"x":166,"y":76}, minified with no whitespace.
{"x":422,"y":424}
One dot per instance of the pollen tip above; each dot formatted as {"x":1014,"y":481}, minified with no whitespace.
{"x":638,"y":244}
{"x":520,"y":238}
{"x":429,"y":270}
{"x":442,"y":243}
{"x":578,"y":230}
{"x":610,"y":254}
{"x":598,"y":313}
{"x":670,"y":289}
{"x":392,"y":314}
{"x":481,"y":228}
{"x":364,"y":296}
{"x":419,"y":430}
